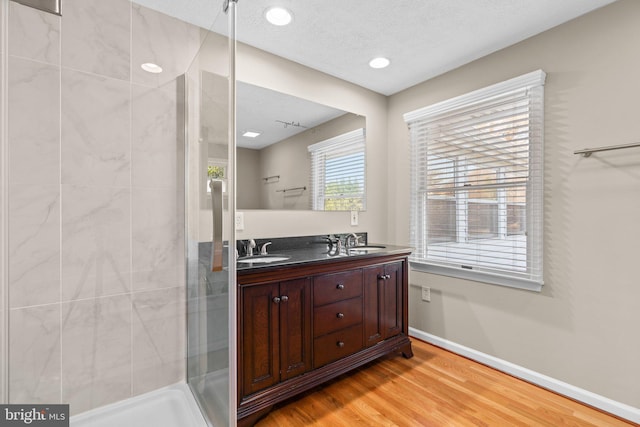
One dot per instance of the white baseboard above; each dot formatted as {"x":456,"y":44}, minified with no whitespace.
{"x":613,"y":407}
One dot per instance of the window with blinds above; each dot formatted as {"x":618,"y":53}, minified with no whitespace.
{"x":338,"y":173}
{"x":477,"y":184}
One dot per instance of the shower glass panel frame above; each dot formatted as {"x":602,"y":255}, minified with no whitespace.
{"x":209,"y":87}
{"x":211,"y":349}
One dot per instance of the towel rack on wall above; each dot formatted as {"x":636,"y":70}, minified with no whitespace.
{"x":587,"y":151}
{"x":272,"y":178}
{"x":291,"y":189}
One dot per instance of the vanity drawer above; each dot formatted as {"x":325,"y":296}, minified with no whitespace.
{"x":336,"y":316}
{"x":336,"y":287}
{"x":337,"y":345}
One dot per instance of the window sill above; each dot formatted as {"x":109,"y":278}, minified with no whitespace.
{"x":477,"y":276}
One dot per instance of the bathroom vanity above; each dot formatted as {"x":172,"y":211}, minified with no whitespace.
{"x":312,"y":315}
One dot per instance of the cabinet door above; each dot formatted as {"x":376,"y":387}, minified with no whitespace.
{"x":260,"y":337}
{"x":391,"y":307}
{"x":383,"y":302}
{"x":295,"y":327}
{"x":372,"y":302}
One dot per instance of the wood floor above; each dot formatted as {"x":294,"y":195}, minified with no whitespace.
{"x":434,"y":388}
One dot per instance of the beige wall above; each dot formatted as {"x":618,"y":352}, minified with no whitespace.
{"x":248,"y":163}
{"x":262,"y":69}
{"x":583,"y":327}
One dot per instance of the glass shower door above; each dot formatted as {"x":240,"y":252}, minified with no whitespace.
{"x":210,"y":209}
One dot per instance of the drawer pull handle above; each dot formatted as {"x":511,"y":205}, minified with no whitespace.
{"x":276,"y":300}
{"x":339,"y":286}
{"x":340,"y":315}
{"x":284,"y":298}
{"x":384,"y":276}
{"x":340,"y":344}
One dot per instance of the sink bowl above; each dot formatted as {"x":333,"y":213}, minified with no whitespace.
{"x":366,"y":248}
{"x":263,"y":259}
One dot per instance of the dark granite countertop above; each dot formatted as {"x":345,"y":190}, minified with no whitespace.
{"x":318,"y":252}
{"x":300,"y":250}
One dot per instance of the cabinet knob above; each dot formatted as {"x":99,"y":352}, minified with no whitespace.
{"x":284,"y":298}
{"x":340,"y":344}
{"x":340,"y":315}
{"x":339,"y":286}
{"x":384,"y":277}
{"x":276,"y":300}
{"x":387,"y":277}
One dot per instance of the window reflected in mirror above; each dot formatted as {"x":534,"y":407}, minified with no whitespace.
{"x":274,"y":164}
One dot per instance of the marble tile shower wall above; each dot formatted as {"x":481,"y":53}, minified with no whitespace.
{"x":96,"y":265}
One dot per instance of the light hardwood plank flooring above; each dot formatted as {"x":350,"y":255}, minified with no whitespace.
{"x":434,"y":388}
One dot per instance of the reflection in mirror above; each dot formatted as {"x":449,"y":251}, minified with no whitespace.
{"x":274,"y":167}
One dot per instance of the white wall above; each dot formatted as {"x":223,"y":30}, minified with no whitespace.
{"x":583,"y":327}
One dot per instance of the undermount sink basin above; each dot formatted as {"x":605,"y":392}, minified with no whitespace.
{"x":367,"y":248}
{"x":263,"y":259}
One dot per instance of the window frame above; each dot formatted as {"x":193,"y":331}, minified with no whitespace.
{"x":343,"y":145}
{"x":420,"y":260}
{"x":221,"y":163}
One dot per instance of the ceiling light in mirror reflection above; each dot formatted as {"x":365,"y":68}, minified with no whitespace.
{"x":151,"y":68}
{"x":278,"y":16}
{"x":277,"y":116}
{"x":250,"y":134}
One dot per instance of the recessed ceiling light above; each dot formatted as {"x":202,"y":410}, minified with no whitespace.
{"x":250,"y":134}
{"x":151,"y":68}
{"x":379,"y":62}
{"x":278,"y":16}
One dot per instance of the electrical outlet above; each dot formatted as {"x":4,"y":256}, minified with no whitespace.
{"x":239,"y":221}
{"x":354,"y":217}
{"x":426,"y":294}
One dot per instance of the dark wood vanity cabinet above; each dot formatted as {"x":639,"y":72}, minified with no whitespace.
{"x":276,"y":333}
{"x":299,"y":326}
{"x":337,"y":316}
{"x":383,"y":304}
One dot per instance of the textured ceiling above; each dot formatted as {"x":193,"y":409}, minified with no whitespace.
{"x":422,"y":38}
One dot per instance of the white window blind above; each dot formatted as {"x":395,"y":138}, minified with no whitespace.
{"x":338,"y":172}
{"x":477,"y":184}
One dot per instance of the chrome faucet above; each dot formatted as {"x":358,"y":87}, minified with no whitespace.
{"x":330,"y":243}
{"x":251,"y":244}
{"x":263,"y":251}
{"x":352,"y":240}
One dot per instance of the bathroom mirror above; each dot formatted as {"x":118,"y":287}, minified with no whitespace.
{"x":274,"y":167}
